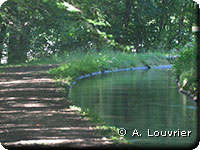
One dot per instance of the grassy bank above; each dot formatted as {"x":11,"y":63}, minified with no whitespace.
{"x":93,"y":61}
{"x":185,"y":68}
{"x":102,"y":61}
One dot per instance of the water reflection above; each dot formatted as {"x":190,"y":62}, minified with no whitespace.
{"x":142,"y":100}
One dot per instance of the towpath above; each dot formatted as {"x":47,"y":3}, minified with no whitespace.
{"x":33,"y":113}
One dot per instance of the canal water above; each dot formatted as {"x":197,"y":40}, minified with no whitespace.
{"x":144,"y":103}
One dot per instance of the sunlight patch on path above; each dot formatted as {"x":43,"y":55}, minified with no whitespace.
{"x":33,"y":113}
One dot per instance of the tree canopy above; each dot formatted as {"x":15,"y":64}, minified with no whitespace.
{"x":31,"y":29}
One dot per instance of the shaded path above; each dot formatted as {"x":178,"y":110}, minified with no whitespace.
{"x":33,"y":113}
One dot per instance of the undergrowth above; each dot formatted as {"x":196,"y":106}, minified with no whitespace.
{"x":185,"y":68}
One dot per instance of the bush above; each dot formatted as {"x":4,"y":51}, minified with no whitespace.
{"x":185,"y":68}
{"x":187,"y":60}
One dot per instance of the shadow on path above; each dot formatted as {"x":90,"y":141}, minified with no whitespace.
{"x":33,"y":113}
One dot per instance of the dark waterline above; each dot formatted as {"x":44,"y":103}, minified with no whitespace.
{"x":141,"y":100}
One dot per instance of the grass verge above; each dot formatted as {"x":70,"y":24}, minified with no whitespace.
{"x":102,"y":61}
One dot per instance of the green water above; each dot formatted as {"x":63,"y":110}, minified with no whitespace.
{"x":141,"y":100}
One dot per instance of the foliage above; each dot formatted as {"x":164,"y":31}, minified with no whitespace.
{"x":40,"y":28}
{"x":94,"y":61}
{"x":187,"y":59}
{"x":185,"y":67}
{"x":37,"y":29}
{"x":188,"y":80}
{"x":144,"y":24}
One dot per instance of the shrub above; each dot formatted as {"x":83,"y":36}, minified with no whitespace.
{"x":185,"y":68}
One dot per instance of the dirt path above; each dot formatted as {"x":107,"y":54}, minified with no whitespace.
{"x":32,"y":113}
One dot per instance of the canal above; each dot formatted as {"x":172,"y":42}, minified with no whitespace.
{"x":146,"y":103}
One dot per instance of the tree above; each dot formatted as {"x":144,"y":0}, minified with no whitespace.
{"x":31,"y":29}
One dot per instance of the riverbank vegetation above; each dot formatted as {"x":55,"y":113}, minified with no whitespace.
{"x":94,"y":61}
{"x":185,"y":67}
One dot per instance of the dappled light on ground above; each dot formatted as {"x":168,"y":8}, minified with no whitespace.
{"x":33,"y":112}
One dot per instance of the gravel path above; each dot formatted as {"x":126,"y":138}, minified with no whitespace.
{"x":33,"y":113}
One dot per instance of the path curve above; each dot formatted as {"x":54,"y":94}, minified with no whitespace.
{"x":33,"y":113}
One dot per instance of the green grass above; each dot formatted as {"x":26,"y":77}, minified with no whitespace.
{"x":94,"y":61}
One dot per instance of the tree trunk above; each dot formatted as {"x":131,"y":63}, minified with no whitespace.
{"x":18,"y":46}
{"x":170,"y":39}
{"x":127,"y":18}
{"x":13,"y":48}
{"x":180,"y":30}
{"x":24,"y":44}
{"x":2,"y":36}
{"x":129,"y":5}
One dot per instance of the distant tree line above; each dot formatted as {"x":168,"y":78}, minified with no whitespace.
{"x":31,"y":29}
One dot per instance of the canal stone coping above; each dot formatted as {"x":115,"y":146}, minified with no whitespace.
{"x":118,"y":70}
